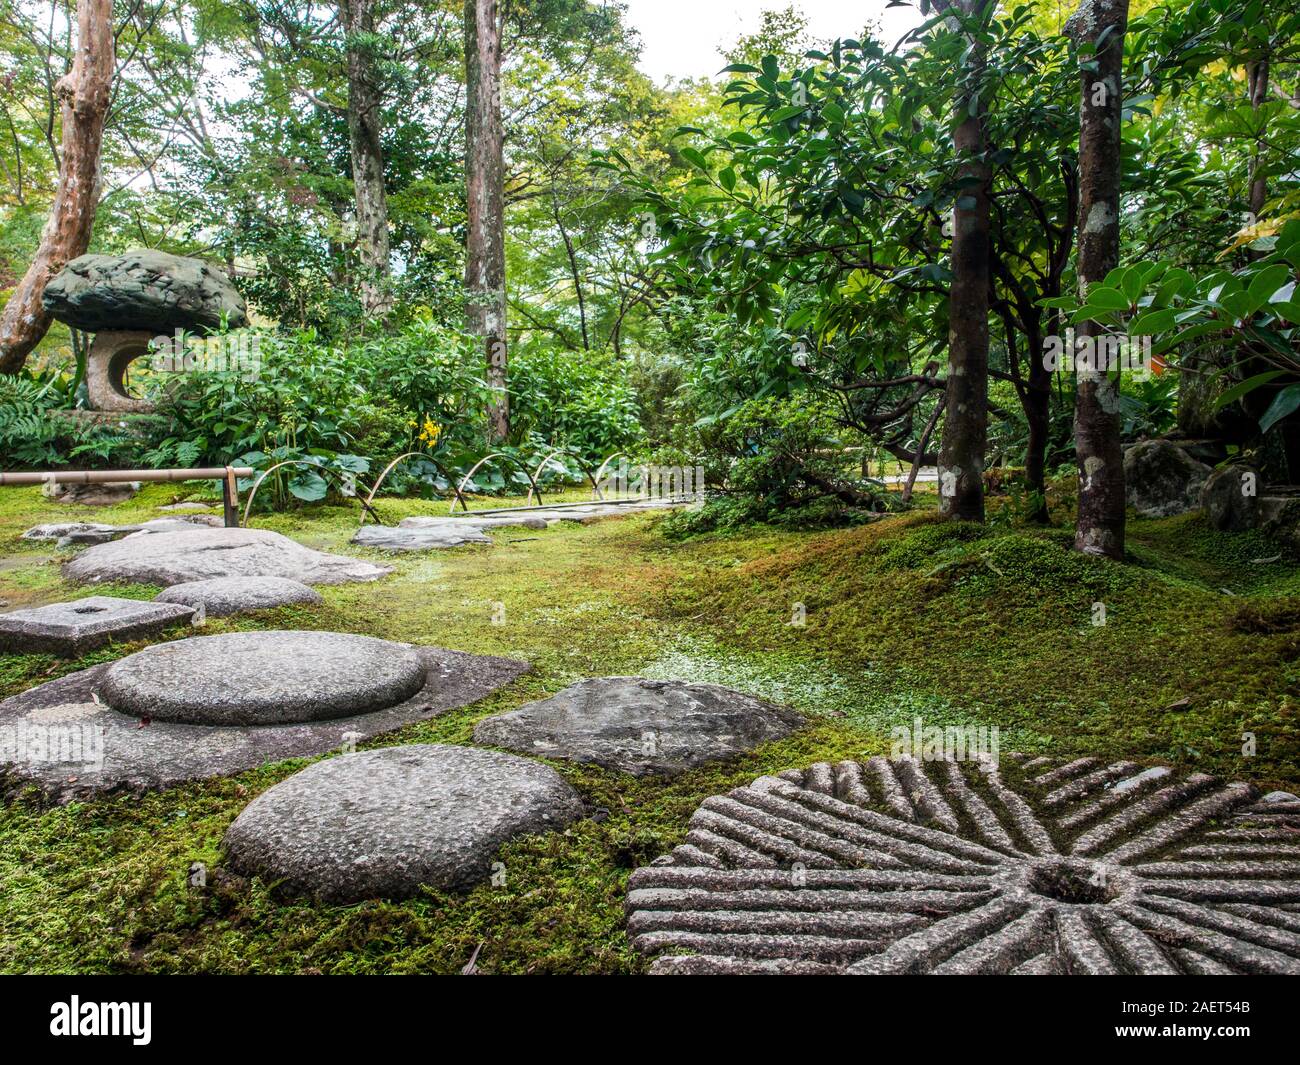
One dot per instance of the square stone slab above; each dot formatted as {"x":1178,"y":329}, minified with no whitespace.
{"x":71,"y":629}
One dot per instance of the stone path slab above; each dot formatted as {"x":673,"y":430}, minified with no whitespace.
{"x":58,"y":737}
{"x":223,"y":596}
{"x":949,"y":867}
{"x":71,"y":629}
{"x":387,"y":823}
{"x":83,"y":533}
{"x":177,"y":557}
{"x":640,"y":726}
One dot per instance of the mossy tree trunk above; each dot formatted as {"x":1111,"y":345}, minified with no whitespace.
{"x":1099,"y":25}
{"x":485,"y":255}
{"x":365,"y":126}
{"x":965,"y":425}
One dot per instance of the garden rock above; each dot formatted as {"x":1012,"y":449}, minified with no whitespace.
{"x":1162,"y":479}
{"x":177,"y":557}
{"x":222,"y":596}
{"x":388,"y":823}
{"x":143,"y":290}
{"x":640,"y":726}
{"x":103,"y":494}
{"x":1230,"y":498}
{"x":960,"y":867}
{"x":72,"y":629}
{"x":263,"y":678}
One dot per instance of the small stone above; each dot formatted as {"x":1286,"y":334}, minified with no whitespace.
{"x":640,"y":726}
{"x":389,"y":822}
{"x":222,"y":596}
{"x":72,"y":629}
{"x":388,"y":538}
{"x":176,"y":557}
{"x":102,"y":494}
{"x":1227,"y":507}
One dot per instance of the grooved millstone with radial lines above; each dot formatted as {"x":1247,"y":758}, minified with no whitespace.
{"x":903,"y":866}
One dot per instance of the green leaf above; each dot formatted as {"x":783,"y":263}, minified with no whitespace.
{"x":1284,"y":403}
{"x":1109,"y":299}
{"x":1242,"y":387}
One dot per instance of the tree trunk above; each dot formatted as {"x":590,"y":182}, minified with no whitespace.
{"x":365,"y":124}
{"x":485,"y":255}
{"x":965,"y":425}
{"x":1099,"y":529}
{"x":83,"y":98}
{"x":1258,"y":73}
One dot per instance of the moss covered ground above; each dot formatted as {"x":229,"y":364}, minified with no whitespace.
{"x":901,"y":618}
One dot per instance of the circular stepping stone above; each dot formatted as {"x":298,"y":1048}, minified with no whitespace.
{"x":65,"y":739}
{"x":222,"y":596}
{"x":640,"y":726}
{"x":386,"y":823}
{"x":176,"y":557}
{"x":955,"y":867}
{"x":263,"y":678}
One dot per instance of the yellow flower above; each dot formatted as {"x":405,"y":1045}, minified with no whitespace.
{"x":430,"y":432}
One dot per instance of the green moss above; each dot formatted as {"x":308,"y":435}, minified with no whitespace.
{"x":904,"y":617}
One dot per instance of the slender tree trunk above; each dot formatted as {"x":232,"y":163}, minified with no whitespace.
{"x":1099,"y":529}
{"x":485,"y":255}
{"x":965,"y":425}
{"x":83,"y":98}
{"x":1258,"y":183}
{"x":365,"y":125}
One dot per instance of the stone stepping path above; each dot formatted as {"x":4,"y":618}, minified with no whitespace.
{"x":387,"y":823}
{"x":72,"y":629}
{"x":424,"y":533}
{"x":946,"y":867}
{"x":640,"y":726}
{"x":178,"y":557}
{"x":82,"y":533}
{"x":214,"y":705}
{"x":223,"y":596}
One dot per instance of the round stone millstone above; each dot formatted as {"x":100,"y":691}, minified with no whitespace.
{"x":387,"y":823}
{"x":263,"y":678}
{"x":902,"y":866}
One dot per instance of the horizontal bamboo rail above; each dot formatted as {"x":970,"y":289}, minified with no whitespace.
{"x":225,"y":474}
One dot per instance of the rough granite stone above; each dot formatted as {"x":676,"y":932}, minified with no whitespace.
{"x":387,"y":823}
{"x":1162,"y":479}
{"x":82,"y":533}
{"x":177,"y":557}
{"x":72,"y":629}
{"x":222,"y":596}
{"x":58,"y":738}
{"x":1230,"y":498}
{"x":101,"y":494}
{"x":640,"y":726}
{"x":951,"y":867}
{"x":143,"y":289}
{"x":263,"y":678}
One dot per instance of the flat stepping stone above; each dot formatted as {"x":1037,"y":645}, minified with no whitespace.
{"x":177,"y":557}
{"x":223,"y":596}
{"x":263,"y":678}
{"x":640,"y":726}
{"x":396,"y":538}
{"x":72,"y":629}
{"x":93,"y":532}
{"x":65,"y":739}
{"x":388,"y":823}
{"x":903,"y":866}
